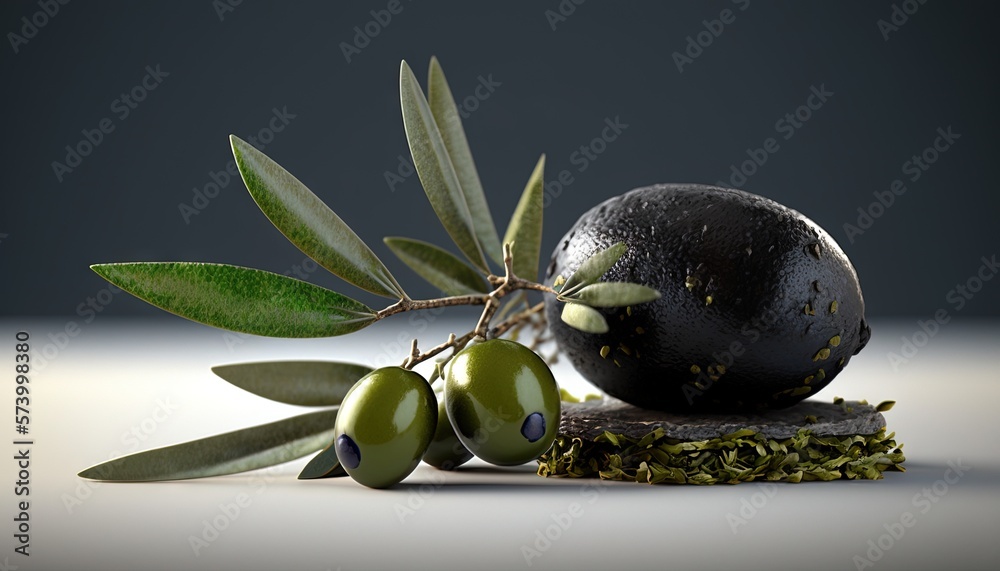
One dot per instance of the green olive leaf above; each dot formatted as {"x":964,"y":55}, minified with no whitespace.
{"x":310,"y":224}
{"x":584,"y":318}
{"x":885,"y":406}
{"x":434,"y":168}
{"x":303,"y":383}
{"x":525,"y":229}
{"x":323,"y":465}
{"x":449,"y":122}
{"x":240,"y":299}
{"x":613,"y":294}
{"x":439,"y":267}
{"x":594,"y":267}
{"x":228,"y":453}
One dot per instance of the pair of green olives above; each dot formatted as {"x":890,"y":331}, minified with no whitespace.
{"x":500,"y":403}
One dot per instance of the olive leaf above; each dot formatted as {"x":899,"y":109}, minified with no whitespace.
{"x":228,"y":453}
{"x":323,"y":465}
{"x":594,"y":267}
{"x":434,"y":168}
{"x":240,"y":299}
{"x":304,"y":383}
{"x":310,"y":224}
{"x":612,"y":294}
{"x":448,"y":121}
{"x":584,"y":318}
{"x":525,"y":228}
{"x":885,"y":406}
{"x":439,"y":267}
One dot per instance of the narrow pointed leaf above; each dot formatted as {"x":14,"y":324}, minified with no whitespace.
{"x":439,"y":267}
{"x":240,"y":299}
{"x":304,"y":383}
{"x":449,"y":122}
{"x":228,"y":453}
{"x":525,"y":228}
{"x":594,"y":267}
{"x":310,"y":224}
{"x":323,"y":465}
{"x":614,"y":294}
{"x":434,"y":167}
{"x":584,"y":318}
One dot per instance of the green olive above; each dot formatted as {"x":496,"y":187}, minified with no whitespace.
{"x":503,"y":402}
{"x":384,"y":426}
{"x":446,"y":451}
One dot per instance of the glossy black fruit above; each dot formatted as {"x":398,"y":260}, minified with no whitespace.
{"x":384,"y":426}
{"x":503,"y":402}
{"x":760,"y":307}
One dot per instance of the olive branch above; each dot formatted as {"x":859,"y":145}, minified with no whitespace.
{"x":259,"y":302}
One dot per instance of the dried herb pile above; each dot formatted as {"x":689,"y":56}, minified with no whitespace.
{"x":744,"y":455}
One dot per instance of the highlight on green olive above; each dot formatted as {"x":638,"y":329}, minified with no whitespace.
{"x":503,"y":402}
{"x":385,"y":424}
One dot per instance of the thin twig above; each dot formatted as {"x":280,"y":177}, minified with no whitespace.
{"x":502,"y":286}
{"x":458,"y":343}
{"x":516,"y":319}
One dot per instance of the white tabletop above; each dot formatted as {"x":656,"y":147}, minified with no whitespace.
{"x":122,"y":385}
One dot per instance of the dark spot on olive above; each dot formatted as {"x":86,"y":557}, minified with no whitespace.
{"x":347,"y":452}
{"x":565,"y":244}
{"x":534,"y":427}
{"x":550,"y":269}
{"x":815,"y":250}
{"x":864,"y":335}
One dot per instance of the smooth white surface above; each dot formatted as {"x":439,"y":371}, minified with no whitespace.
{"x":153,"y":377}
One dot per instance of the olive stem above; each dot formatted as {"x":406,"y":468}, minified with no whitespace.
{"x":516,"y":319}
{"x":458,"y":343}
{"x":504,"y":285}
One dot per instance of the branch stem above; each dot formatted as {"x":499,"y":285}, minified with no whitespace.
{"x":503,"y":286}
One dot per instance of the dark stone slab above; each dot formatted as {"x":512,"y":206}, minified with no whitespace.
{"x":589,"y":419}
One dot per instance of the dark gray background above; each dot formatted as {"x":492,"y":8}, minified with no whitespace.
{"x":557,"y":88}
